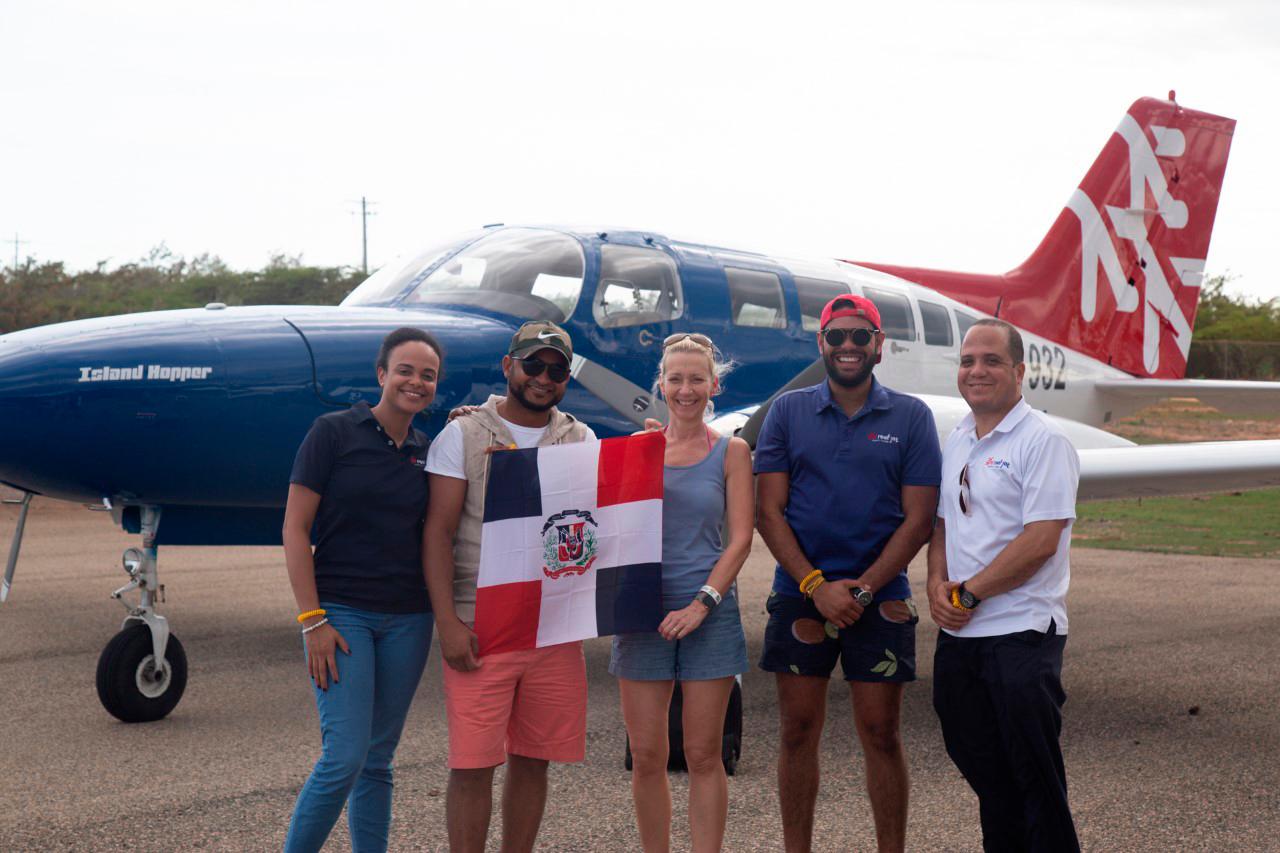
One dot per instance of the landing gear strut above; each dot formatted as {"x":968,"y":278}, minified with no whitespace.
{"x":143,"y":670}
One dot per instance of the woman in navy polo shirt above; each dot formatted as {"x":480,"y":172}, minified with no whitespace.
{"x":360,"y":484}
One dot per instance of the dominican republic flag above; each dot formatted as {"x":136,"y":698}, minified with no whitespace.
{"x":572,"y":543}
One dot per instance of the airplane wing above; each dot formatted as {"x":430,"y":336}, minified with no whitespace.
{"x":1171,"y":469}
{"x":1229,"y":396}
{"x":1111,"y":466}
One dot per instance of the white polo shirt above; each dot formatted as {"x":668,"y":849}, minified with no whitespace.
{"x":1024,"y":470}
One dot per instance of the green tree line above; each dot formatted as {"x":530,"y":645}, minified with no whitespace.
{"x":47,"y":292}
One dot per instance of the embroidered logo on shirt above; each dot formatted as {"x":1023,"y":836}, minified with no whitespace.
{"x":882,"y":438}
{"x":992,"y":462}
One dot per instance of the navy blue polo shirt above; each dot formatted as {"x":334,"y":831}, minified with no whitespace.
{"x":373,"y":502}
{"x":847,"y":475}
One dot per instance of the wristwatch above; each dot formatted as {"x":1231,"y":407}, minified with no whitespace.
{"x":862,"y":596}
{"x":967,"y":599}
{"x":708,"y":597}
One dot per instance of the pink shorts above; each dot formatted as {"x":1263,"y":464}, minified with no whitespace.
{"x":531,"y":703}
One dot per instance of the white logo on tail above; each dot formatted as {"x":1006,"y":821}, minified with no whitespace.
{"x":1131,"y":224}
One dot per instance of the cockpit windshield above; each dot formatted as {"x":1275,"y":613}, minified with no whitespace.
{"x":527,"y":272}
{"x":385,"y":285}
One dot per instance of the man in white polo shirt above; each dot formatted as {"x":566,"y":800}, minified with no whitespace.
{"x":998,"y":576}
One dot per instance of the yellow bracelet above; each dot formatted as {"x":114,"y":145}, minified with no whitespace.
{"x":813,"y":587}
{"x":808,"y":579}
{"x":303,"y":617}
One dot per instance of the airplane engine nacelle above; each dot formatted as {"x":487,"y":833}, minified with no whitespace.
{"x":170,"y":406}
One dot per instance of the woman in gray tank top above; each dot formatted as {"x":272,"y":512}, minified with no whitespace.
{"x":707,"y":518}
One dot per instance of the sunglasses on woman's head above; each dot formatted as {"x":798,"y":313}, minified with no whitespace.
{"x":700,"y":340}
{"x":836,"y":337}
{"x":535,"y":366}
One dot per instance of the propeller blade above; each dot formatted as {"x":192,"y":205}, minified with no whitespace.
{"x":619,"y":393}
{"x":811,"y":375}
{"x":14,"y":546}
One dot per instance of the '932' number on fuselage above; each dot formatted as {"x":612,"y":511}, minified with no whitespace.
{"x":1046,"y":368}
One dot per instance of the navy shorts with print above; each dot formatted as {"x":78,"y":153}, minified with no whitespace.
{"x":881,"y":646}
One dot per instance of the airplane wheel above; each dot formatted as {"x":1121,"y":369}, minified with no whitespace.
{"x":130,"y":685}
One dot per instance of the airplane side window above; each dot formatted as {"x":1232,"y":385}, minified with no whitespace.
{"x":896,"y":320}
{"x":963,"y":322}
{"x":637,"y":286}
{"x":756,"y":298}
{"x":527,"y":272}
{"x":814,"y":294}
{"x":937,"y":324}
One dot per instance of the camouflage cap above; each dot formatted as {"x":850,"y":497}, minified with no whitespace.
{"x":540,"y":334}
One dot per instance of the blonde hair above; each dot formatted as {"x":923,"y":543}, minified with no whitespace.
{"x":718,"y":366}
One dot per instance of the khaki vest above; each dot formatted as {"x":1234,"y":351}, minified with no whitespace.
{"x":480,"y":430}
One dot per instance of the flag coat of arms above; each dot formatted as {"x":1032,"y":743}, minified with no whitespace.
{"x":571,"y":545}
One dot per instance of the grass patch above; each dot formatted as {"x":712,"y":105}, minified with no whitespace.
{"x":1236,"y":524}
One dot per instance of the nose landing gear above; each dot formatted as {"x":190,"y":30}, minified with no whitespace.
{"x":142,"y":672}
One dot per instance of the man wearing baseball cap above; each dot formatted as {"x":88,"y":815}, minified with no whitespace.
{"x":523,"y":708}
{"x":848,"y":473}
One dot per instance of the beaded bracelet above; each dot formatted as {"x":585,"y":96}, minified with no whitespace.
{"x":303,"y":617}
{"x":811,"y":582}
{"x":310,"y":628}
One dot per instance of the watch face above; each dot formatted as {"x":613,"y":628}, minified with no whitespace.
{"x":967,"y":599}
{"x":862,"y":596}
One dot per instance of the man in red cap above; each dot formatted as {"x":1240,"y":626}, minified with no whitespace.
{"x":846,"y":493}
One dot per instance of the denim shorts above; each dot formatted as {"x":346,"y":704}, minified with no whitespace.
{"x":881,"y":646}
{"x":716,"y":649}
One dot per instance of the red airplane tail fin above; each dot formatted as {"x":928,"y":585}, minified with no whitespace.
{"x":1118,"y":275}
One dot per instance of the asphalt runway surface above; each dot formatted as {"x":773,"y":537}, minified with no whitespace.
{"x":1172,"y":735}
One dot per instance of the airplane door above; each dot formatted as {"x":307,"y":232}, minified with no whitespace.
{"x":762,"y":332}
{"x":618,"y":333}
{"x":903,"y":366}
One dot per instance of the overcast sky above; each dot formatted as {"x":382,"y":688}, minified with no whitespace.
{"x":932,"y":134}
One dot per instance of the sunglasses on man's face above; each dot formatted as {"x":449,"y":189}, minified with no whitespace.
{"x":535,"y":366}
{"x":836,"y":337}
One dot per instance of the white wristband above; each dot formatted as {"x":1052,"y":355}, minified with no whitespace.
{"x":711,"y":591}
{"x":310,"y":628}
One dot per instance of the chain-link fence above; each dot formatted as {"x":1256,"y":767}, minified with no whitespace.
{"x":1234,"y":360}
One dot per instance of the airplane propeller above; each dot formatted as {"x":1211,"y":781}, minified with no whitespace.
{"x":811,"y":375}
{"x":16,"y":545}
{"x":619,"y":393}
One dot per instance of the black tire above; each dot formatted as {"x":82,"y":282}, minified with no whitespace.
{"x":118,"y":676}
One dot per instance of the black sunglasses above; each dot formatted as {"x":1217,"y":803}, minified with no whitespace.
{"x":535,"y":366}
{"x":861,"y":337}
{"x":966,"y":492}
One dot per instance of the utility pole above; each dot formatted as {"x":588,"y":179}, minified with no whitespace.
{"x":365,"y":213}
{"x":16,"y":243}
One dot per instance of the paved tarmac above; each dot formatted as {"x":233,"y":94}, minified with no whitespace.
{"x":1172,"y":734}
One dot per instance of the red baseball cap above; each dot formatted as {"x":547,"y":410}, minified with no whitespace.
{"x":848,"y":305}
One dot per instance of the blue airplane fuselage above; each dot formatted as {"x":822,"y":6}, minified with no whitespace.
{"x":200,"y":411}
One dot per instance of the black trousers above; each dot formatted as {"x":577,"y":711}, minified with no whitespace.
{"x":1000,"y":703}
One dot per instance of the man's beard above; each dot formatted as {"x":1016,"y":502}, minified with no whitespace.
{"x":833,"y":372}
{"x":533,"y":407}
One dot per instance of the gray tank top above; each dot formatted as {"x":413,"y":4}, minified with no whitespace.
{"x":692,"y":521}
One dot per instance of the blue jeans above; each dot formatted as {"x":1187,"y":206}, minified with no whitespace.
{"x":361,"y":717}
